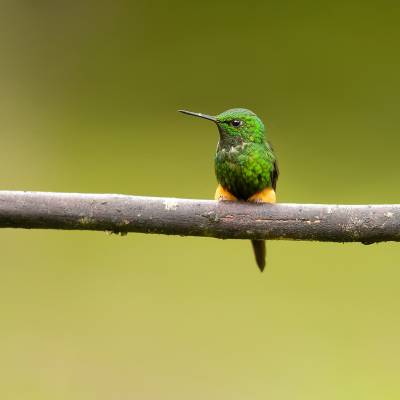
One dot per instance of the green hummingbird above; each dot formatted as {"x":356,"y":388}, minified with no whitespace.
{"x":245,"y":164}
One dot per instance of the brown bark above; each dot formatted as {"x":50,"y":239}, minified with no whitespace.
{"x":225,"y":220}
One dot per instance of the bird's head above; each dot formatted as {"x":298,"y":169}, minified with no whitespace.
{"x":236,"y":123}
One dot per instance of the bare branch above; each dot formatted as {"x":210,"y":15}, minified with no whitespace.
{"x":226,"y":220}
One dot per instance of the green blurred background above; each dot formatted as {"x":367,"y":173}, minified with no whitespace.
{"x":88,"y":100}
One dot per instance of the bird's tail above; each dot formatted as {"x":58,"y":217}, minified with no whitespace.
{"x":260,"y":252}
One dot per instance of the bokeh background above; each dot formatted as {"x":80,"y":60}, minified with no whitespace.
{"x":88,"y":100}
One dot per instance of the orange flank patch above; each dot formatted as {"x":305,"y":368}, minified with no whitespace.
{"x":266,"y":195}
{"x":222,"y":194}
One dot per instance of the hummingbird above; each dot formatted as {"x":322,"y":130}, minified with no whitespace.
{"x":245,"y":164}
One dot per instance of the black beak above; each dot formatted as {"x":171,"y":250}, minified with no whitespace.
{"x":200,"y":115}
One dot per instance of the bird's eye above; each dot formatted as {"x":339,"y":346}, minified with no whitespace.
{"x":236,"y":122}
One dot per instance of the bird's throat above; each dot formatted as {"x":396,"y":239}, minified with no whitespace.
{"x":226,"y":143}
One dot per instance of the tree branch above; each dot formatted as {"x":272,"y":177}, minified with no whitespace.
{"x":224,"y":220}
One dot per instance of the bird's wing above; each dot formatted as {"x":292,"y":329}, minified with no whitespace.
{"x":275,"y":170}
{"x":274,"y":175}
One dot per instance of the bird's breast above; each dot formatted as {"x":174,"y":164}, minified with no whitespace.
{"x":241,"y":171}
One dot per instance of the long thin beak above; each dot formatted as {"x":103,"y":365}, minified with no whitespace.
{"x":200,"y":115}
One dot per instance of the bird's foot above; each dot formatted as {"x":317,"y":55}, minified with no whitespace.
{"x":222,"y":194}
{"x":266,"y":195}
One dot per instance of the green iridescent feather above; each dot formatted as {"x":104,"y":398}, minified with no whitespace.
{"x":245,"y":162}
